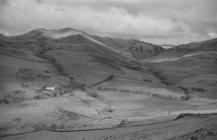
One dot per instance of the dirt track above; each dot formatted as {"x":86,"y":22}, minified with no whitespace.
{"x":202,"y":127}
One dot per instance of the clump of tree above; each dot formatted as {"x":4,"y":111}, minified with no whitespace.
{"x":28,"y":75}
{"x":107,"y":89}
{"x":185,"y":98}
{"x":109,"y":109}
{"x":123,"y":123}
{"x":93,"y":94}
{"x":198,"y":89}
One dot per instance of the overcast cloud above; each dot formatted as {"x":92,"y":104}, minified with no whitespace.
{"x":155,"y":21}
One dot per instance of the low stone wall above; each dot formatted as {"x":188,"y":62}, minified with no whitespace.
{"x":139,"y":92}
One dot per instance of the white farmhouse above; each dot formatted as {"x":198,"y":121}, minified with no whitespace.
{"x":50,"y":88}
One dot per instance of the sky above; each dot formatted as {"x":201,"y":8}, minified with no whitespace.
{"x":155,"y":21}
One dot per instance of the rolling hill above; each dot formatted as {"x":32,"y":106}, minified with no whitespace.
{"x":192,"y":67}
{"x":67,"y":80}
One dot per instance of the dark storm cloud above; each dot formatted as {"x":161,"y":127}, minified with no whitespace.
{"x":158,"y":21}
{"x":3,"y":3}
{"x":39,"y":1}
{"x":199,"y":14}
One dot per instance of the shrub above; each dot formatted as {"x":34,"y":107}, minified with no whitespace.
{"x":93,"y":94}
{"x":123,"y":123}
{"x":185,"y":98}
{"x":198,"y":89}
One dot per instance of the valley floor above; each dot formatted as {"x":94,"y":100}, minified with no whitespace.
{"x":109,"y":114}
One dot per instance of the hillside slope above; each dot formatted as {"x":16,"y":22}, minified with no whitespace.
{"x":137,"y":49}
{"x":188,"y":49}
{"x":192,"y":67}
{"x":75,"y":53}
